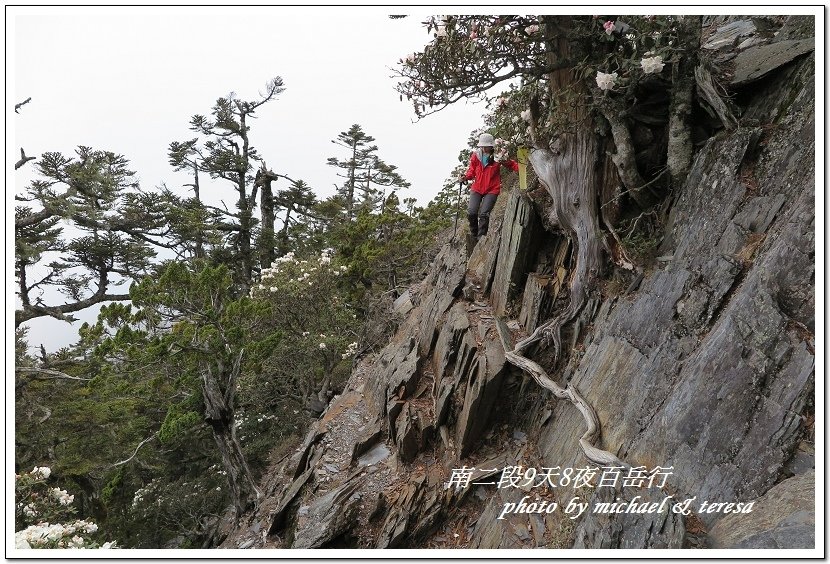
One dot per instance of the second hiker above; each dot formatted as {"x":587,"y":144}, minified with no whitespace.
{"x":485,"y":172}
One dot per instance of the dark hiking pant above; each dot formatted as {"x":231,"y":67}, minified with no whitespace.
{"x":478,"y":212}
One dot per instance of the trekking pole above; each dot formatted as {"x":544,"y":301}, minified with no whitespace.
{"x":457,"y":207}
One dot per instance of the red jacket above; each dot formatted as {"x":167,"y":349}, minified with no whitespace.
{"x":487,"y":178}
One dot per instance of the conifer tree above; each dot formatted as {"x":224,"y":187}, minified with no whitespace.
{"x":227,"y":153}
{"x":363,"y":172}
{"x":114,"y":227}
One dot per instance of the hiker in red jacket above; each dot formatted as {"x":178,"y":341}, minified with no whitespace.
{"x":486,"y":172}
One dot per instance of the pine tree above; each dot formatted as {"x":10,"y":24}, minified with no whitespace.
{"x":114,"y":228}
{"x":363,"y":172}
{"x":227,"y":153}
{"x":298,"y":202}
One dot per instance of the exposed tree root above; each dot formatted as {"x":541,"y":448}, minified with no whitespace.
{"x":591,"y":435}
{"x":568,"y":174}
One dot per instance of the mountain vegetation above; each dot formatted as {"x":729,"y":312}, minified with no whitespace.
{"x":225,"y":332}
{"x":232,"y":329}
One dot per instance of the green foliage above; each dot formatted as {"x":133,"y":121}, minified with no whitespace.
{"x":469,"y":54}
{"x":113,"y":226}
{"x":363,"y":172}
{"x":178,"y":421}
{"x":125,"y":416}
{"x":303,"y":298}
{"x":224,"y":151}
{"x":383,"y":251}
{"x":298,"y":224}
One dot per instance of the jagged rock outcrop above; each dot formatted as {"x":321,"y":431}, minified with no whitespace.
{"x":709,"y":367}
{"x":661,"y":529}
{"x":784,"y":517}
{"x":520,"y":235}
{"x":704,"y":366}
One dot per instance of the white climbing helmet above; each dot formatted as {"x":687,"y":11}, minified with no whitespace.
{"x":486,"y":140}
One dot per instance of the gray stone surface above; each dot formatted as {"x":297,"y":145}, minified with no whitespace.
{"x":396,"y":374}
{"x":660,"y":529}
{"x":443,"y":284}
{"x":403,"y":304}
{"x":784,"y":517}
{"x":520,"y":236}
{"x":327,"y":517}
{"x":452,"y":331}
{"x":408,"y":433}
{"x":483,"y":386}
{"x":704,"y":368}
{"x":377,"y":454}
{"x":803,"y":459}
{"x":759,"y":60}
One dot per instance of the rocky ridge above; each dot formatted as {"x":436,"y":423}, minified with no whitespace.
{"x":704,"y":364}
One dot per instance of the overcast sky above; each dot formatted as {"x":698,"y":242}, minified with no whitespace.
{"x":129,"y":79}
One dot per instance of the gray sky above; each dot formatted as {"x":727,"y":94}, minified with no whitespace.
{"x":129,"y":79}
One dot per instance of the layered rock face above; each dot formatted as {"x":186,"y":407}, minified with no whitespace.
{"x":705,"y":367}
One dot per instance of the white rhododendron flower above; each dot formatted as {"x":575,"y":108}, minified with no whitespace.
{"x":350,"y":351}
{"x":606,"y":81}
{"x":61,"y":496}
{"x":525,"y":115}
{"x":322,"y":346}
{"x":41,"y":472}
{"x":531,"y":29}
{"x":652,"y":65}
{"x":42,"y":534}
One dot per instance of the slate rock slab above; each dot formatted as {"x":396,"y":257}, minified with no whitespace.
{"x":784,"y":517}
{"x":759,"y":60}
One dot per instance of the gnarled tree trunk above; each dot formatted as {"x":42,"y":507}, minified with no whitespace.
{"x":679,"y":153}
{"x":218,"y":392}
{"x":267,"y":243}
{"x":568,"y":173}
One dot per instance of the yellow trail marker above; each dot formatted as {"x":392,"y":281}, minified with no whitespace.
{"x":522,"y":154}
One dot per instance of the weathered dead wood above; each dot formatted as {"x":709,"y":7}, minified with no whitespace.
{"x":218,"y":391}
{"x":708,"y":90}
{"x":23,"y":159}
{"x":625,"y":156}
{"x":570,"y":178}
